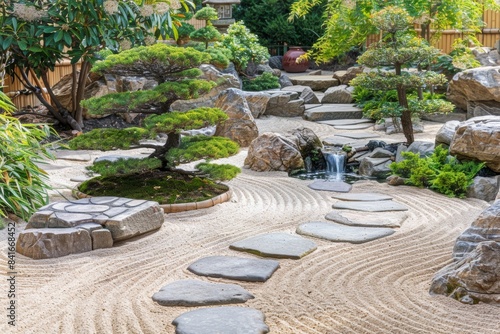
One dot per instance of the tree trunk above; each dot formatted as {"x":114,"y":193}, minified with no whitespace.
{"x":173,"y":141}
{"x":406,"y":122}
{"x":80,"y":91}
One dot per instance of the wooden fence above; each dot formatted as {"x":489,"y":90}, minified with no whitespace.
{"x":489,"y":37}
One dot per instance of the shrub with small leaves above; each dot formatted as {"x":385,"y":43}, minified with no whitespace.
{"x":222,"y":172}
{"x":262,"y":82}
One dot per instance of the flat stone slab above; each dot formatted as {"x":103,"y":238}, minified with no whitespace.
{"x":72,"y":155}
{"x":341,"y":141}
{"x":377,"y":206}
{"x":364,"y":197}
{"x":333,"y":111}
{"x":328,"y":185}
{"x":279,"y":245}
{"x":123,"y":217}
{"x":199,"y":293}
{"x":342,"y":233}
{"x":221,"y":320}
{"x":340,"y":122}
{"x":354,"y":126}
{"x":357,"y":135}
{"x":236,"y":268}
{"x":358,"y":218}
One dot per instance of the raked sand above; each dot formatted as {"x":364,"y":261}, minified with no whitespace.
{"x":376,"y":287}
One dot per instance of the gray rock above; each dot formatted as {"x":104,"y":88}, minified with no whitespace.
{"x":341,"y":122}
{"x":374,"y":167}
{"x":472,"y":279}
{"x":395,"y":180}
{"x":257,"y":102}
{"x":485,"y":188}
{"x":101,"y":238}
{"x":476,"y":84}
{"x":273,"y":152}
{"x":276,"y":62}
{"x":199,"y":293}
{"x":236,"y":268}
{"x":482,"y":108}
{"x":363,"y":197}
{"x":306,"y":93}
{"x":423,"y":148}
{"x":316,"y":83}
{"x":338,"y":94}
{"x":285,"y":104}
{"x":357,"y":135}
{"x":446,"y":132}
{"x":53,"y":242}
{"x":456,"y":115}
{"x":278,"y":245}
{"x":333,"y":112}
{"x":380,"y":152}
{"x":478,"y":139}
{"x":378,"y":206}
{"x":389,"y":219}
{"x":285,"y":81}
{"x":329,"y":185}
{"x":345,"y":77}
{"x":342,"y":233}
{"x":306,"y":140}
{"x":486,"y":227}
{"x":240,"y":126}
{"x":354,"y":126}
{"x":221,"y":320}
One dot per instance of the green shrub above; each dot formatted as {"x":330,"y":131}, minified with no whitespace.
{"x":262,"y":82}
{"x":222,"y":172}
{"x":200,"y":147}
{"x":439,"y":171}
{"x":124,"y":166}
{"x":23,"y":185}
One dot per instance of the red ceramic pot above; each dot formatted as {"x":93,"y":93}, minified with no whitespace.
{"x":290,"y":60}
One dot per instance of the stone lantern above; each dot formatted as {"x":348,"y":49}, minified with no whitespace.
{"x":224,"y":9}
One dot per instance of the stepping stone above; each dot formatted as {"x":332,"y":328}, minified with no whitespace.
{"x":221,"y":320}
{"x":333,"y":111}
{"x":358,"y":135}
{"x":377,"y":206}
{"x":199,"y":293}
{"x":357,"y":218}
{"x":340,"y":141}
{"x":279,"y":245}
{"x":342,"y":233}
{"x":336,"y":122}
{"x":368,"y":197}
{"x":236,"y":268}
{"x":354,"y":126}
{"x":327,"y":185}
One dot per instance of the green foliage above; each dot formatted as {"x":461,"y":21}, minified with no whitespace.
{"x":206,"y":35}
{"x":262,"y":82}
{"x":220,"y":172}
{"x":124,"y":166}
{"x":200,"y":147}
{"x":23,"y":185}
{"x":243,"y":46}
{"x":219,"y":57}
{"x":108,"y":139}
{"x":439,"y":171}
{"x":347,"y":23}
{"x":459,"y":59}
{"x":207,"y":14}
{"x":273,"y":27}
{"x":188,"y":120}
{"x":185,"y":29}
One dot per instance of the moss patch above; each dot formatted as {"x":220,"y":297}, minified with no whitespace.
{"x":159,"y":186}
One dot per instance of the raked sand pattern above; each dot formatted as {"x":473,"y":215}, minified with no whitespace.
{"x":375,"y":287}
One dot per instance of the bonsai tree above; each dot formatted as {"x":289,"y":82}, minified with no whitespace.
{"x":38,"y":34}
{"x":175,"y":70}
{"x":400,"y":49}
{"x":208,"y":33}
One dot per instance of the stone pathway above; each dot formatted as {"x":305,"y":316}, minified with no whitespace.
{"x":342,"y":233}
{"x":329,"y":185}
{"x":70,"y":227}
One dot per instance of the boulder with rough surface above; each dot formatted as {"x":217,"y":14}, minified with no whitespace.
{"x":285,"y":104}
{"x":485,"y":188}
{"x":338,"y":94}
{"x":344,"y":77}
{"x":240,"y":126}
{"x":473,"y":279}
{"x":478,"y":139}
{"x":257,"y":102}
{"x":446,"y":132}
{"x":273,"y":152}
{"x":306,"y":93}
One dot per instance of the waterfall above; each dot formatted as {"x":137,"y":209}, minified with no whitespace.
{"x":335,"y":164}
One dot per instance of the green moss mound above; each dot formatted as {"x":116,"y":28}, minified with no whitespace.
{"x":159,"y":186}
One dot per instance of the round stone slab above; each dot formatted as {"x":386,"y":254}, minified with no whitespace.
{"x":377,"y":206}
{"x":221,"y":320}
{"x":343,"y":233}
{"x":363,"y":197}
{"x":199,"y":293}
{"x":327,"y":185}
{"x":357,"y":218}
{"x":279,"y":245}
{"x":237,"y":268}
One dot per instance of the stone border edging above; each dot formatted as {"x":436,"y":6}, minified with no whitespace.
{"x":180,"y":207}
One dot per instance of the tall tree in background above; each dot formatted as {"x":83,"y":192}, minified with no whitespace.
{"x":38,"y":34}
{"x":272,"y":25}
{"x":347,"y":23}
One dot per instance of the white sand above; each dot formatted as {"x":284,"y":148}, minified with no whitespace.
{"x":376,"y":287}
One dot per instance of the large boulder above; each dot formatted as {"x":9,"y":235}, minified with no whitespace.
{"x":344,"y":77}
{"x":338,"y":94}
{"x":478,"y":139}
{"x":285,"y":104}
{"x":485,"y":228}
{"x":210,"y":73}
{"x":273,"y":152}
{"x":482,"y":108}
{"x":318,"y":84}
{"x":485,"y":188}
{"x":446,"y":132}
{"x":375,"y":167}
{"x":486,"y":56}
{"x":305,"y":140}
{"x":473,"y":279}
{"x":257,"y":102}
{"x":240,"y":126}
{"x":306,"y":93}
{"x":476,"y":84}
